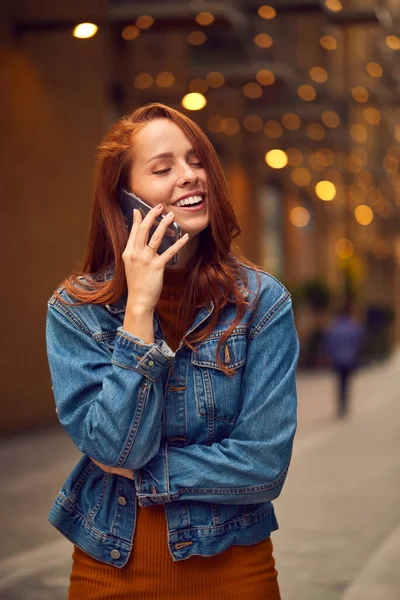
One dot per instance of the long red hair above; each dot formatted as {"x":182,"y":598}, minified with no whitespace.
{"x":214,"y":273}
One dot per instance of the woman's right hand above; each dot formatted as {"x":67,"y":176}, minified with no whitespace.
{"x":144,"y":267}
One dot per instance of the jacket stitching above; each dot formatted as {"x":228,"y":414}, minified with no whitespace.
{"x":267,"y":318}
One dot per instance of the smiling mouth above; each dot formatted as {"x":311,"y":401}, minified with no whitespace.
{"x":195,"y":200}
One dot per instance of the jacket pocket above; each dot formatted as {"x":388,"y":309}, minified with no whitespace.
{"x":217,"y":394}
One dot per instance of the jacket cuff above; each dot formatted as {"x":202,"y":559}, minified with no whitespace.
{"x":152,"y":481}
{"x":151,"y":360}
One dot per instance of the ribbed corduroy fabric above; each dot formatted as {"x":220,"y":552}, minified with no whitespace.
{"x":239,"y":573}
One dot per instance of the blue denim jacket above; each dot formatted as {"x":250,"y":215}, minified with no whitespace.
{"x":213,"y":450}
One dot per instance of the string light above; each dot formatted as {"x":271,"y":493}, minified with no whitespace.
{"x":333,"y":5}
{"x":265,"y":77}
{"x":130,"y":32}
{"x":267,"y":12}
{"x":359,"y":93}
{"x":374,"y":69}
{"x":330,"y":119}
{"x":84,"y":31}
{"x":277,"y":159}
{"x":291,"y":121}
{"x":230,"y":126}
{"x":253,"y":123}
{"x":194,"y":101}
{"x":143,"y":81}
{"x":144,"y":22}
{"x":325,"y":190}
{"x":363,"y":214}
{"x":393,"y":42}
{"x":205,"y":18}
{"x":273,"y":129}
{"x":372,"y":116}
{"x":299,"y":216}
{"x":215,"y":79}
{"x":301,"y":176}
{"x":165,"y":79}
{"x":252,"y":90}
{"x":318,"y":74}
{"x":344,"y":248}
{"x":307,"y":92}
{"x":196,"y":38}
{"x":328,"y":42}
{"x":263,"y":40}
{"x":295,"y":157}
{"x":315,"y":131}
{"x":358,"y":132}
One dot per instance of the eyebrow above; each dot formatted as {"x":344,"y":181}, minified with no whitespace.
{"x":169,"y":155}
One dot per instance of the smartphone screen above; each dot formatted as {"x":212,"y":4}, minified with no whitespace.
{"x":129,"y":201}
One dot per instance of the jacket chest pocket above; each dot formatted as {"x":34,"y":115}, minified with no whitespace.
{"x":217,"y":394}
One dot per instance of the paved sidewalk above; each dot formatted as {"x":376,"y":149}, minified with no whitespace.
{"x":339,"y":516}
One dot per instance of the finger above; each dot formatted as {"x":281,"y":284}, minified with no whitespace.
{"x":137,"y":219}
{"x":145,"y":226}
{"x":159,"y":233}
{"x":172,"y":250}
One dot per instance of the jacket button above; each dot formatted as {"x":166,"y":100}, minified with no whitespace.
{"x":115,"y":553}
{"x":151,"y":363}
{"x":121,"y":500}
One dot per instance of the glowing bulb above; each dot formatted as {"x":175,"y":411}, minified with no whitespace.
{"x":130,"y":32}
{"x":277,"y":159}
{"x":325,"y":190}
{"x":263,"y":40}
{"x":299,"y":216}
{"x":144,"y":22}
{"x":291,"y":121}
{"x":374,"y":69}
{"x":328,"y":42}
{"x":205,"y":18}
{"x":85,"y":30}
{"x":196,"y":38}
{"x":301,"y":176}
{"x":194,"y":101}
{"x":307,"y":93}
{"x":330,"y":119}
{"x":265,"y":77}
{"x":333,"y":5}
{"x":344,"y":248}
{"x":318,"y":74}
{"x":215,"y":79}
{"x":364,"y":214}
{"x":267,"y":12}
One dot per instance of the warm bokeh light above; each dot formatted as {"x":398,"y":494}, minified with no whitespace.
{"x":265,"y":77}
{"x":263,"y":40}
{"x":358,"y":133}
{"x":393,"y":41}
{"x":330,"y":119}
{"x":397,"y":132}
{"x":253,"y":123}
{"x":363,"y":214}
{"x":194,"y":101}
{"x":295,"y":157}
{"x":344,"y":248}
{"x":364,"y":178}
{"x":198,"y":85}
{"x":315,"y":131}
{"x":144,"y":22}
{"x":230,"y":126}
{"x":335,"y":176}
{"x":328,"y":42}
{"x":165,"y":79}
{"x":214,"y":123}
{"x":314,"y":162}
{"x":301,"y":176}
{"x":273,"y":129}
{"x":359,"y":93}
{"x":374,"y":69}
{"x":325,"y":190}
{"x":215,"y":79}
{"x":196,"y":38}
{"x":372,"y":116}
{"x":390,"y":163}
{"x":252,"y":90}
{"x":267,"y":12}
{"x":318,"y":74}
{"x":143,"y":81}
{"x":84,"y":31}
{"x":277,"y":159}
{"x":291,"y":121}
{"x":333,"y":5}
{"x":205,"y":18}
{"x":307,"y":92}
{"x":130,"y":32}
{"x":325,"y":156}
{"x":299,"y":216}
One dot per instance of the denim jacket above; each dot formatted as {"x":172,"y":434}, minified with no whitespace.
{"x":213,"y":449}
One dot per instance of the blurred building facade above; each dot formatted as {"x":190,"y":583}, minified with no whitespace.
{"x":301,"y":103}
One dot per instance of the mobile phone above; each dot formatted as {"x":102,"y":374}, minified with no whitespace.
{"x":129,"y":201}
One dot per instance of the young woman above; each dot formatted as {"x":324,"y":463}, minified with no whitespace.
{"x":177,"y":383}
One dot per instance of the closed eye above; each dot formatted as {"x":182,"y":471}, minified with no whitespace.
{"x":162,"y":172}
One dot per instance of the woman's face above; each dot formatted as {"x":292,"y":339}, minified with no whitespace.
{"x":166,"y":169}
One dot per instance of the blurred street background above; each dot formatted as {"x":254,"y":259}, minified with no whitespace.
{"x":301,"y":101}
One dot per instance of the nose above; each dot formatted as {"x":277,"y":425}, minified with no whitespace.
{"x":186,"y":175}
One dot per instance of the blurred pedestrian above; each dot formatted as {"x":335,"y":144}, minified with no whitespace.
{"x":177,"y":382}
{"x":343,"y":342}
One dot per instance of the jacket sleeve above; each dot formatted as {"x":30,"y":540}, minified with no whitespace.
{"x":109,"y":402}
{"x":251,"y":465}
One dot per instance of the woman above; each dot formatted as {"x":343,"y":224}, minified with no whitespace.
{"x":177,"y":383}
